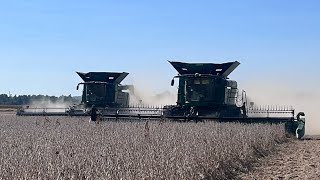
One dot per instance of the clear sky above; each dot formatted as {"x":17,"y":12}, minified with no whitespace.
{"x":43,"y":43}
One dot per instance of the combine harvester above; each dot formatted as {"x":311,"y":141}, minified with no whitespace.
{"x":204,"y":93}
{"x":102,"y":89}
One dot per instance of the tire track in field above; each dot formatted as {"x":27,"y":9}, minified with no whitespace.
{"x":294,"y":160}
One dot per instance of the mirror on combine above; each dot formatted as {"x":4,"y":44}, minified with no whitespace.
{"x":172,"y":82}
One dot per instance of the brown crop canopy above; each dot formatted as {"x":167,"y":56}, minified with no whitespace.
{"x":109,"y":77}
{"x":224,"y":69}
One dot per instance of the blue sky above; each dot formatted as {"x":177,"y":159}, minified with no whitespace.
{"x":43,"y":43}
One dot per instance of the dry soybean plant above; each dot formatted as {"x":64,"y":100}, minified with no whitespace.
{"x":73,"y":148}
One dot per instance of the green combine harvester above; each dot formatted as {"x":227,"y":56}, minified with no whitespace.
{"x":102,"y":89}
{"x":205,"y":93}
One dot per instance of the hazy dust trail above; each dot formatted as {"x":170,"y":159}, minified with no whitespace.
{"x":283,"y":94}
{"x":145,"y":95}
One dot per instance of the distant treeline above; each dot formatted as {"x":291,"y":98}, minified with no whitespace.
{"x":28,"y":99}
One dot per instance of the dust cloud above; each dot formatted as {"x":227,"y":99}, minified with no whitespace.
{"x":147,"y":96}
{"x":301,"y":98}
{"x":49,"y":106}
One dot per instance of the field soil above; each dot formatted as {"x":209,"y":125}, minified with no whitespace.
{"x":297,"y":159}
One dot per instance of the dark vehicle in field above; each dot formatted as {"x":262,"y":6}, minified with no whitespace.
{"x":101,"y":89}
{"x":104,"y":89}
{"x":205,"y":90}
